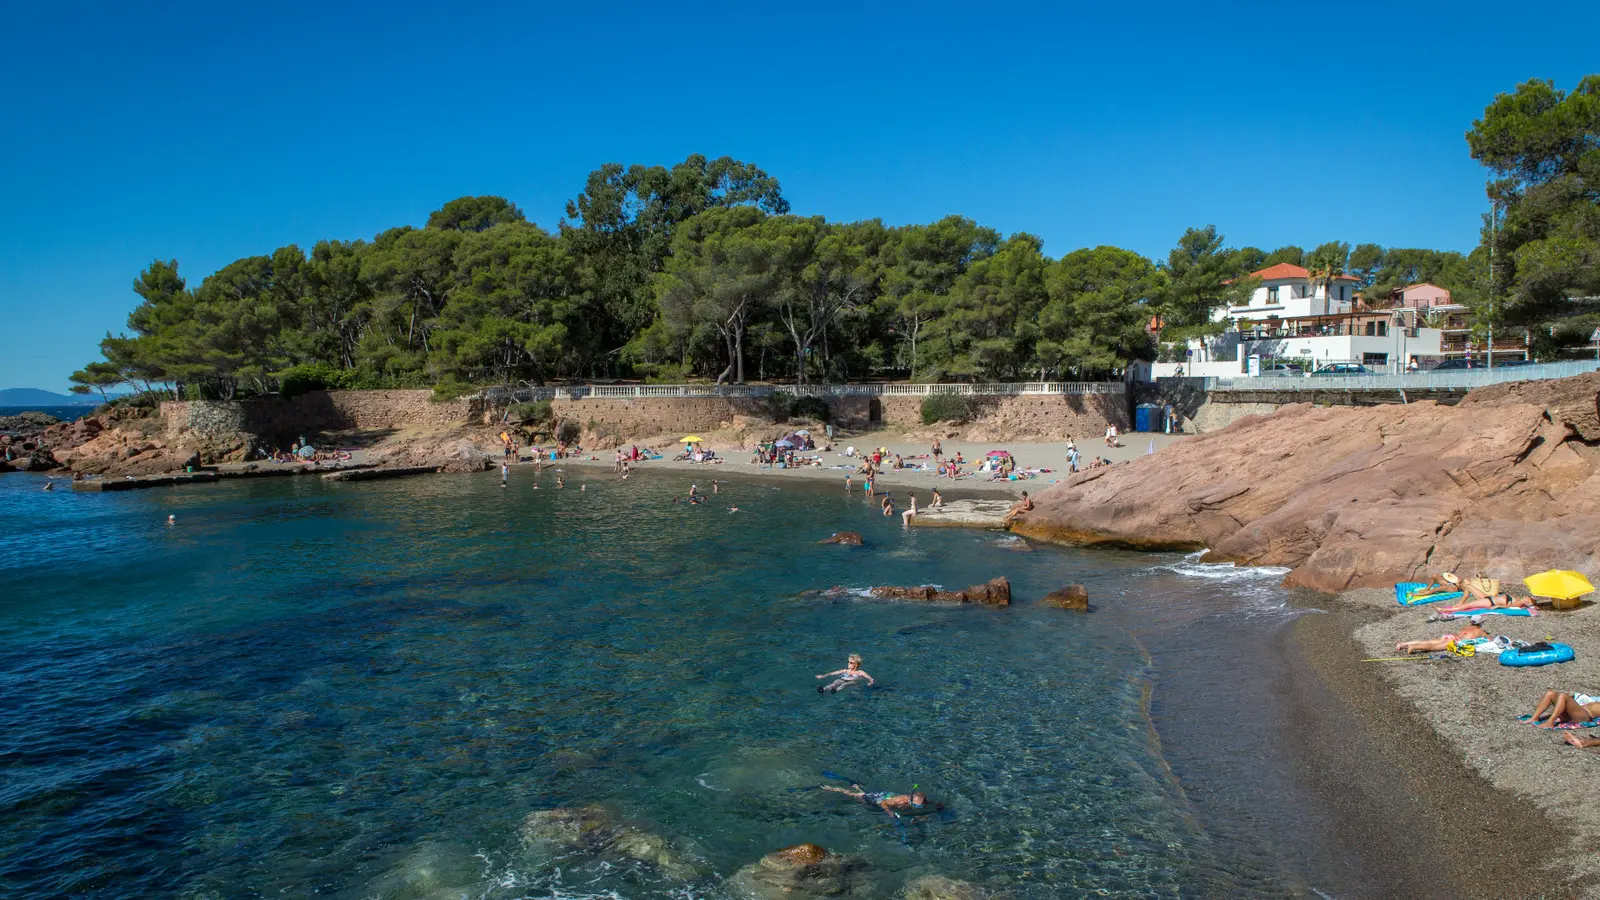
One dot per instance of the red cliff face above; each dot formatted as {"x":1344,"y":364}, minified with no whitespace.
{"x":1507,"y":483}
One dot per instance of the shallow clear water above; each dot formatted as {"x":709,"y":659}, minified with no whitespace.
{"x":360,"y":690}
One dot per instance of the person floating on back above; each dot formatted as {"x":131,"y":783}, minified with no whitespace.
{"x":891,"y":803}
{"x":851,"y":673}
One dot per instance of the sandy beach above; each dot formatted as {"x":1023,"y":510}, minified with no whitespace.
{"x":914,"y":450}
{"x":1472,"y":705}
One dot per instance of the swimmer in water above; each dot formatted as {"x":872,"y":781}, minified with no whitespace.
{"x":172,"y":519}
{"x":694,"y":491}
{"x":851,"y":673}
{"x":560,"y":482}
{"x":893,"y":804}
{"x":888,"y":505}
{"x":714,"y":487}
{"x":49,"y":485}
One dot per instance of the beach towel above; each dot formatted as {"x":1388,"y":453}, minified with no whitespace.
{"x":1568,"y":726}
{"x":1403,"y":590}
{"x":1493,"y":611}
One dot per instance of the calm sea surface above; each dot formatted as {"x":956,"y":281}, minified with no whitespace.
{"x":360,"y":690}
{"x":64,"y":413}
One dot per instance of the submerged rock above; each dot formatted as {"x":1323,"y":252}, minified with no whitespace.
{"x":597,"y":830}
{"x":995,"y":592}
{"x":801,"y":872}
{"x":938,"y":887}
{"x":1073,"y":596}
{"x":848,"y":538}
{"x":432,"y":871}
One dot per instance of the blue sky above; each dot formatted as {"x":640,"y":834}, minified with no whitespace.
{"x":207,"y":132}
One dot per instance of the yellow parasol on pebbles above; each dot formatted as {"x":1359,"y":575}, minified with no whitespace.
{"x":1558,"y":584}
{"x":692,"y":439}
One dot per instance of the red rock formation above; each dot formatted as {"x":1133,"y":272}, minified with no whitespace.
{"x":995,"y":592}
{"x":1073,"y":596}
{"x":1507,"y":483}
{"x":848,"y":538}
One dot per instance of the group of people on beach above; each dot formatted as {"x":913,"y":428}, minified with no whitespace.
{"x":1555,"y":709}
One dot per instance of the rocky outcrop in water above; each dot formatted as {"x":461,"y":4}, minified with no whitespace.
{"x":848,"y":538}
{"x":598,"y":831}
{"x":1073,"y":596}
{"x":938,"y":887}
{"x":1506,"y":483}
{"x":995,"y":592}
{"x":802,"y":872}
{"x":445,"y":453}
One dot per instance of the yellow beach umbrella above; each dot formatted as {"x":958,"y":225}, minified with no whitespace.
{"x":1558,"y":584}
{"x":692,"y":439}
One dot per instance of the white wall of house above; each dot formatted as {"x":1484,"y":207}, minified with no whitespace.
{"x":1198,"y":369}
{"x":1290,"y":298}
{"x":1318,"y":350}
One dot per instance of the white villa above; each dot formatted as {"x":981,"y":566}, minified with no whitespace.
{"x":1291,"y":321}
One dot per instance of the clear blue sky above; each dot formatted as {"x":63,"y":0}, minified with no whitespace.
{"x":205,"y":132}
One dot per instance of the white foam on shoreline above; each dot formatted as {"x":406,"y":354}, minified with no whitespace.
{"x":1192,"y":567}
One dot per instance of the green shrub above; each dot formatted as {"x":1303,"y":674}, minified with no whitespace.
{"x":945,"y":408}
{"x":814,"y":408}
{"x":776,"y":405}
{"x":450,"y":388}
{"x":539,"y":412}
{"x":297,"y":380}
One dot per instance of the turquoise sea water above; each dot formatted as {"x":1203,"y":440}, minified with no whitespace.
{"x":360,"y":690}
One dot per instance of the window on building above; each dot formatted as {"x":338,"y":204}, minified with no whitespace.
{"x":1383,"y":328}
{"x":1372,"y":328}
{"x":1272,"y":294}
{"x":1375,"y":359}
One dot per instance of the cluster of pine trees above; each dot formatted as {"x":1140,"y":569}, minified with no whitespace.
{"x":701,"y":271}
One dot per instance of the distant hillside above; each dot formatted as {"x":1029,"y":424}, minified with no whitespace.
{"x":36,"y":397}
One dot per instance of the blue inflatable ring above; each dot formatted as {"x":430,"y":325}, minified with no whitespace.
{"x":1558,"y":653}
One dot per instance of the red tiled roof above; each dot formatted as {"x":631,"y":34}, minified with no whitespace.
{"x":1283,"y":271}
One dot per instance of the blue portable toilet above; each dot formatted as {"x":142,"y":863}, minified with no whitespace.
{"x":1146,"y":417}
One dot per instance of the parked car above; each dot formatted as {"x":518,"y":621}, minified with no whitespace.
{"x":1343,"y":369}
{"x":1282,"y":369}
{"x":1456,"y":363}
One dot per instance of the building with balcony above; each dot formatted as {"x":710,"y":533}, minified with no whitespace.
{"x":1287,"y":292}
{"x":1292,"y":320}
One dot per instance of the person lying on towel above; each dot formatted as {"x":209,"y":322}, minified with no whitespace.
{"x":1430,"y":646}
{"x":1446,"y":583}
{"x":1564,"y":708}
{"x":1482,"y":600}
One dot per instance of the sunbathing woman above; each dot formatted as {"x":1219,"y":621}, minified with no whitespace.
{"x":1565,"y":708}
{"x":1471,"y":631}
{"x":1489,"y":601}
{"x":1446,"y":583}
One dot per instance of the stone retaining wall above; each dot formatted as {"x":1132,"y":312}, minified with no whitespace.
{"x":279,"y":422}
{"x":276,"y":422}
